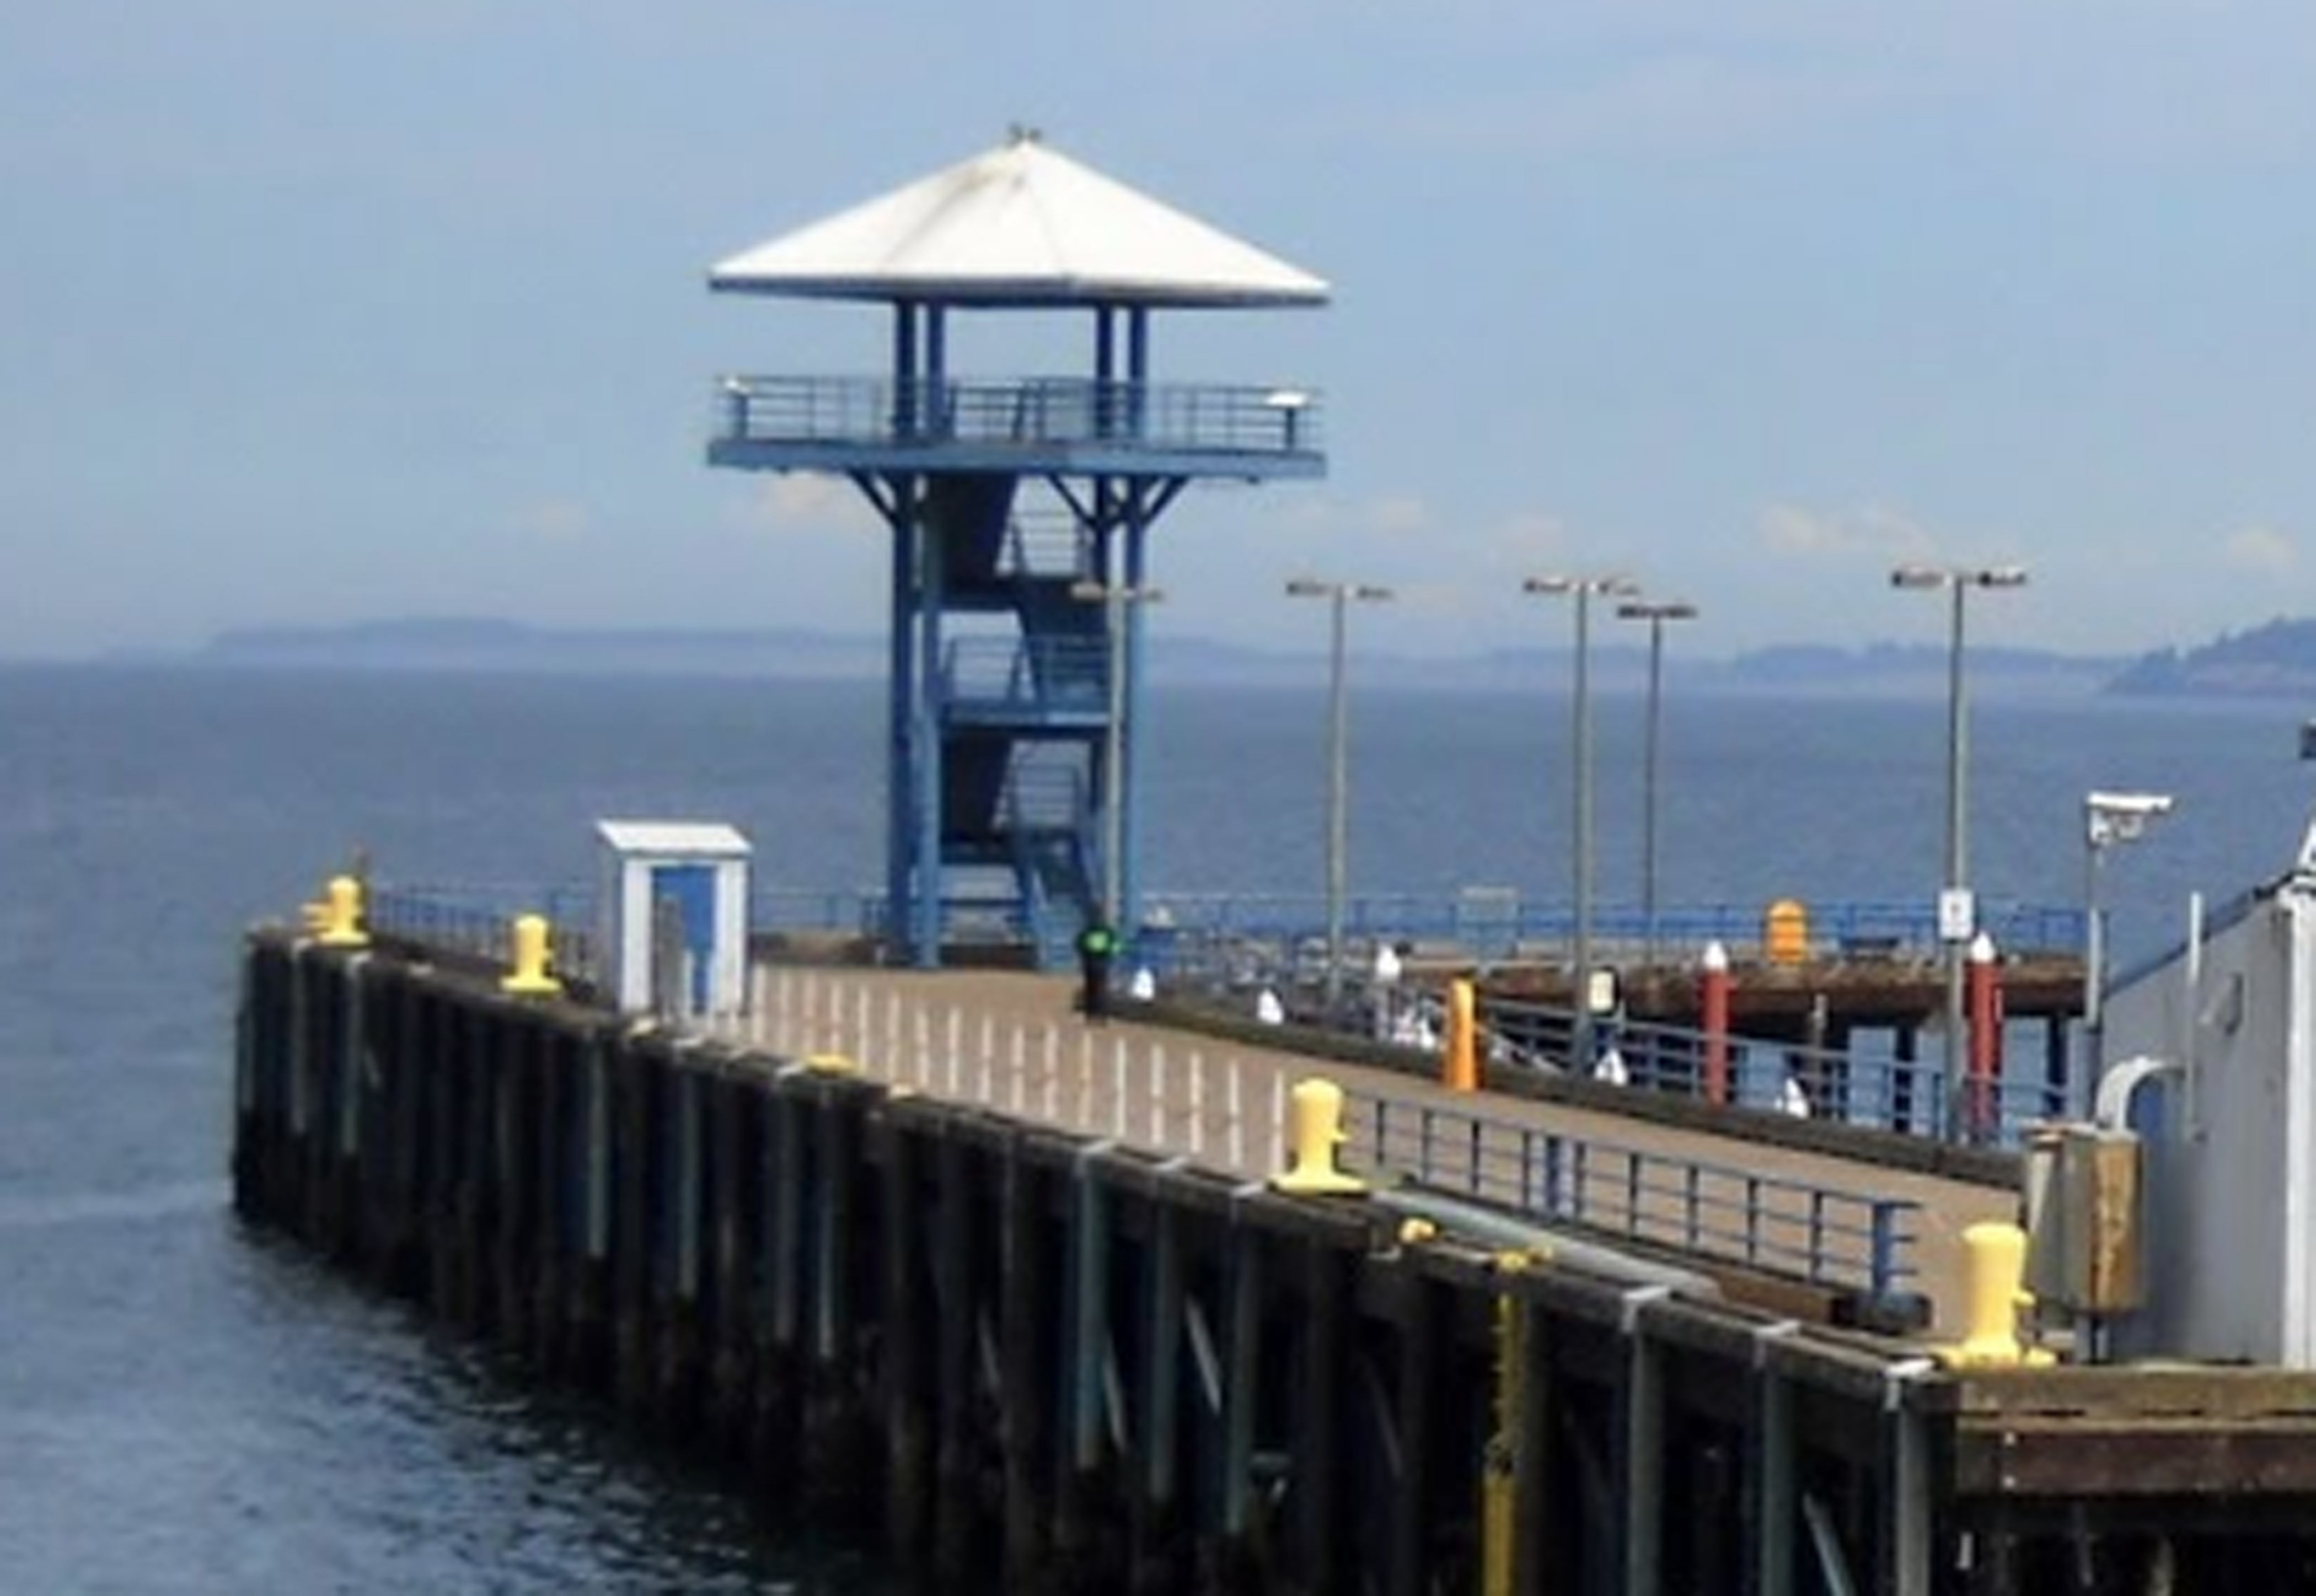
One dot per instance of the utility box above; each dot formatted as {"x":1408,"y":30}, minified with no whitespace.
{"x":2083,"y":1231}
{"x":673,"y":918}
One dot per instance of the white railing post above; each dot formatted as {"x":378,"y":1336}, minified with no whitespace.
{"x":1272,"y":1154}
{"x":1118,"y":1089}
{"x":1233,"y":1112}
{"x":1197,"y":1104}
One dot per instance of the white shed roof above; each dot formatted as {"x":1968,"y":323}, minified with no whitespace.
{"x":673,"y":838}
{"x":1021,"y":224}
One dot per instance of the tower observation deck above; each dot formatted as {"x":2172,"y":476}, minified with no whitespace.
{"x":1020,"y":510}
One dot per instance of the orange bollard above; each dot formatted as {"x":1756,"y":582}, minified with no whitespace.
{"x":1459,"y":1060}
{"x":1712,"y":1020}
{"x":1785,"y":932}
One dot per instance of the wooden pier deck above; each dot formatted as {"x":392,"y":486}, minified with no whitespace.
{"x":1014,"y":1042}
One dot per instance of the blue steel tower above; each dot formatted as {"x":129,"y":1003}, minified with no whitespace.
{"x":1020,"y":510}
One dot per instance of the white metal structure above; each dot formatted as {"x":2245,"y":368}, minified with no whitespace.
{"x":1020,"y":224}
{"x":2221,"y":1041}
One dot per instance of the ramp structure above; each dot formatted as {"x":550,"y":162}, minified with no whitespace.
{"x":1020,"y":510}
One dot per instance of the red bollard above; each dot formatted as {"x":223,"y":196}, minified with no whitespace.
{"x":1713,"y":1009}
{"x":1985,"y":995}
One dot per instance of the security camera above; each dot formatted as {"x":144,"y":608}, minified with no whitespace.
{"x":2131,"y":803}
{"x":2120,"y":817}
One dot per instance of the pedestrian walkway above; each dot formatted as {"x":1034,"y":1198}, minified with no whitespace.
{"x":1012,"y":1042}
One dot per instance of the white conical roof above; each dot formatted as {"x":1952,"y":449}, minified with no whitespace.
{"x":1020,"y":225}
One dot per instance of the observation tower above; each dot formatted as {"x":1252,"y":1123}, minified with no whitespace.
{"x":1019,"y":508}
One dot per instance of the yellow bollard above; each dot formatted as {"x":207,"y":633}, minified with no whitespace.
{"x":1459,"y":1060}
{"x":336,"y":920}
{"x":529,"y":956}
{"x":1315,"y":1129}
{"x":1995,"y":1263}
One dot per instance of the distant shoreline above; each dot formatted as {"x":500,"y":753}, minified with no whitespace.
{"x":452,"y":646}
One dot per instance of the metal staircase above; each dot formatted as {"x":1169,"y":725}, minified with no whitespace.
{"x":1025,"y":701}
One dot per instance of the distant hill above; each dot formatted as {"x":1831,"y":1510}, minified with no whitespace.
{"x":463,"y":644}
{"x":1886,"y":668}
{"x":473,"y":644}
{"x":2276,"y":660}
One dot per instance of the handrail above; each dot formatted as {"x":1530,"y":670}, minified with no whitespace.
{"x":1017,"y":673}
{"x":477,"y":921}
{"x":1899,"y":929}
{"x":1848,"y":1085}
{"x":1221,"y":939}
{"x":1018,"y":413}
{"x":1819,"y":1234}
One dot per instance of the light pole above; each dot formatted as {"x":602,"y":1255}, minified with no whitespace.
{"x":1656,"y":613}
{"x":2108,"y":818}
{"x":1581,"y":589}
{"x":1957,"y":912}
{"x":1339,"y":597}
{"x":1116,"y":599}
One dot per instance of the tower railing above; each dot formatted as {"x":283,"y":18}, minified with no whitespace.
{"x":1027,"y":675}
{"x":1047,"y":544}
{"x":1025,"y":412}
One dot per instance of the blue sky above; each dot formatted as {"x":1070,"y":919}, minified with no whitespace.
{"x":315,"y":313}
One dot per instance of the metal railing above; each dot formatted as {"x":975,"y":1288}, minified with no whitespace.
{"x":1027,"y":413}
{"x":475,"y":921}
{"x":1182,"y":1098}
{"x":1854,"y":1086}
{"x":1044,"y":543}
{"x":1498,"y":923}
{"x":1220,"y":942}
{"x":1017,"y":675}
{"x":1818,"y":1234}
{"x":1809,"y":1232}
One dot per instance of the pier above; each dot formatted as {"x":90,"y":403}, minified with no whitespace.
{"x":1538,"y":1260}
{"x":955,"y":1291}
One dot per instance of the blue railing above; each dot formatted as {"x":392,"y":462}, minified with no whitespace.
{"x":477,"y":920}
{"x":1026,"y":413}
{"x":1819,"y":1234}
{"x":1498,"y":922}
{"x":1019,"y":675}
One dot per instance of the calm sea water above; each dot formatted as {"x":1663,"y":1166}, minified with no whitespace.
{"x":186,"y":1407}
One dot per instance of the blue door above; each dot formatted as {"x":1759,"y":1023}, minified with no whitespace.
{"x":692,"y":889}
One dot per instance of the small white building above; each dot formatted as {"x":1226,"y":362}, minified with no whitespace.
{"x":2226,"y":1029}
{"x":672,"y":917}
